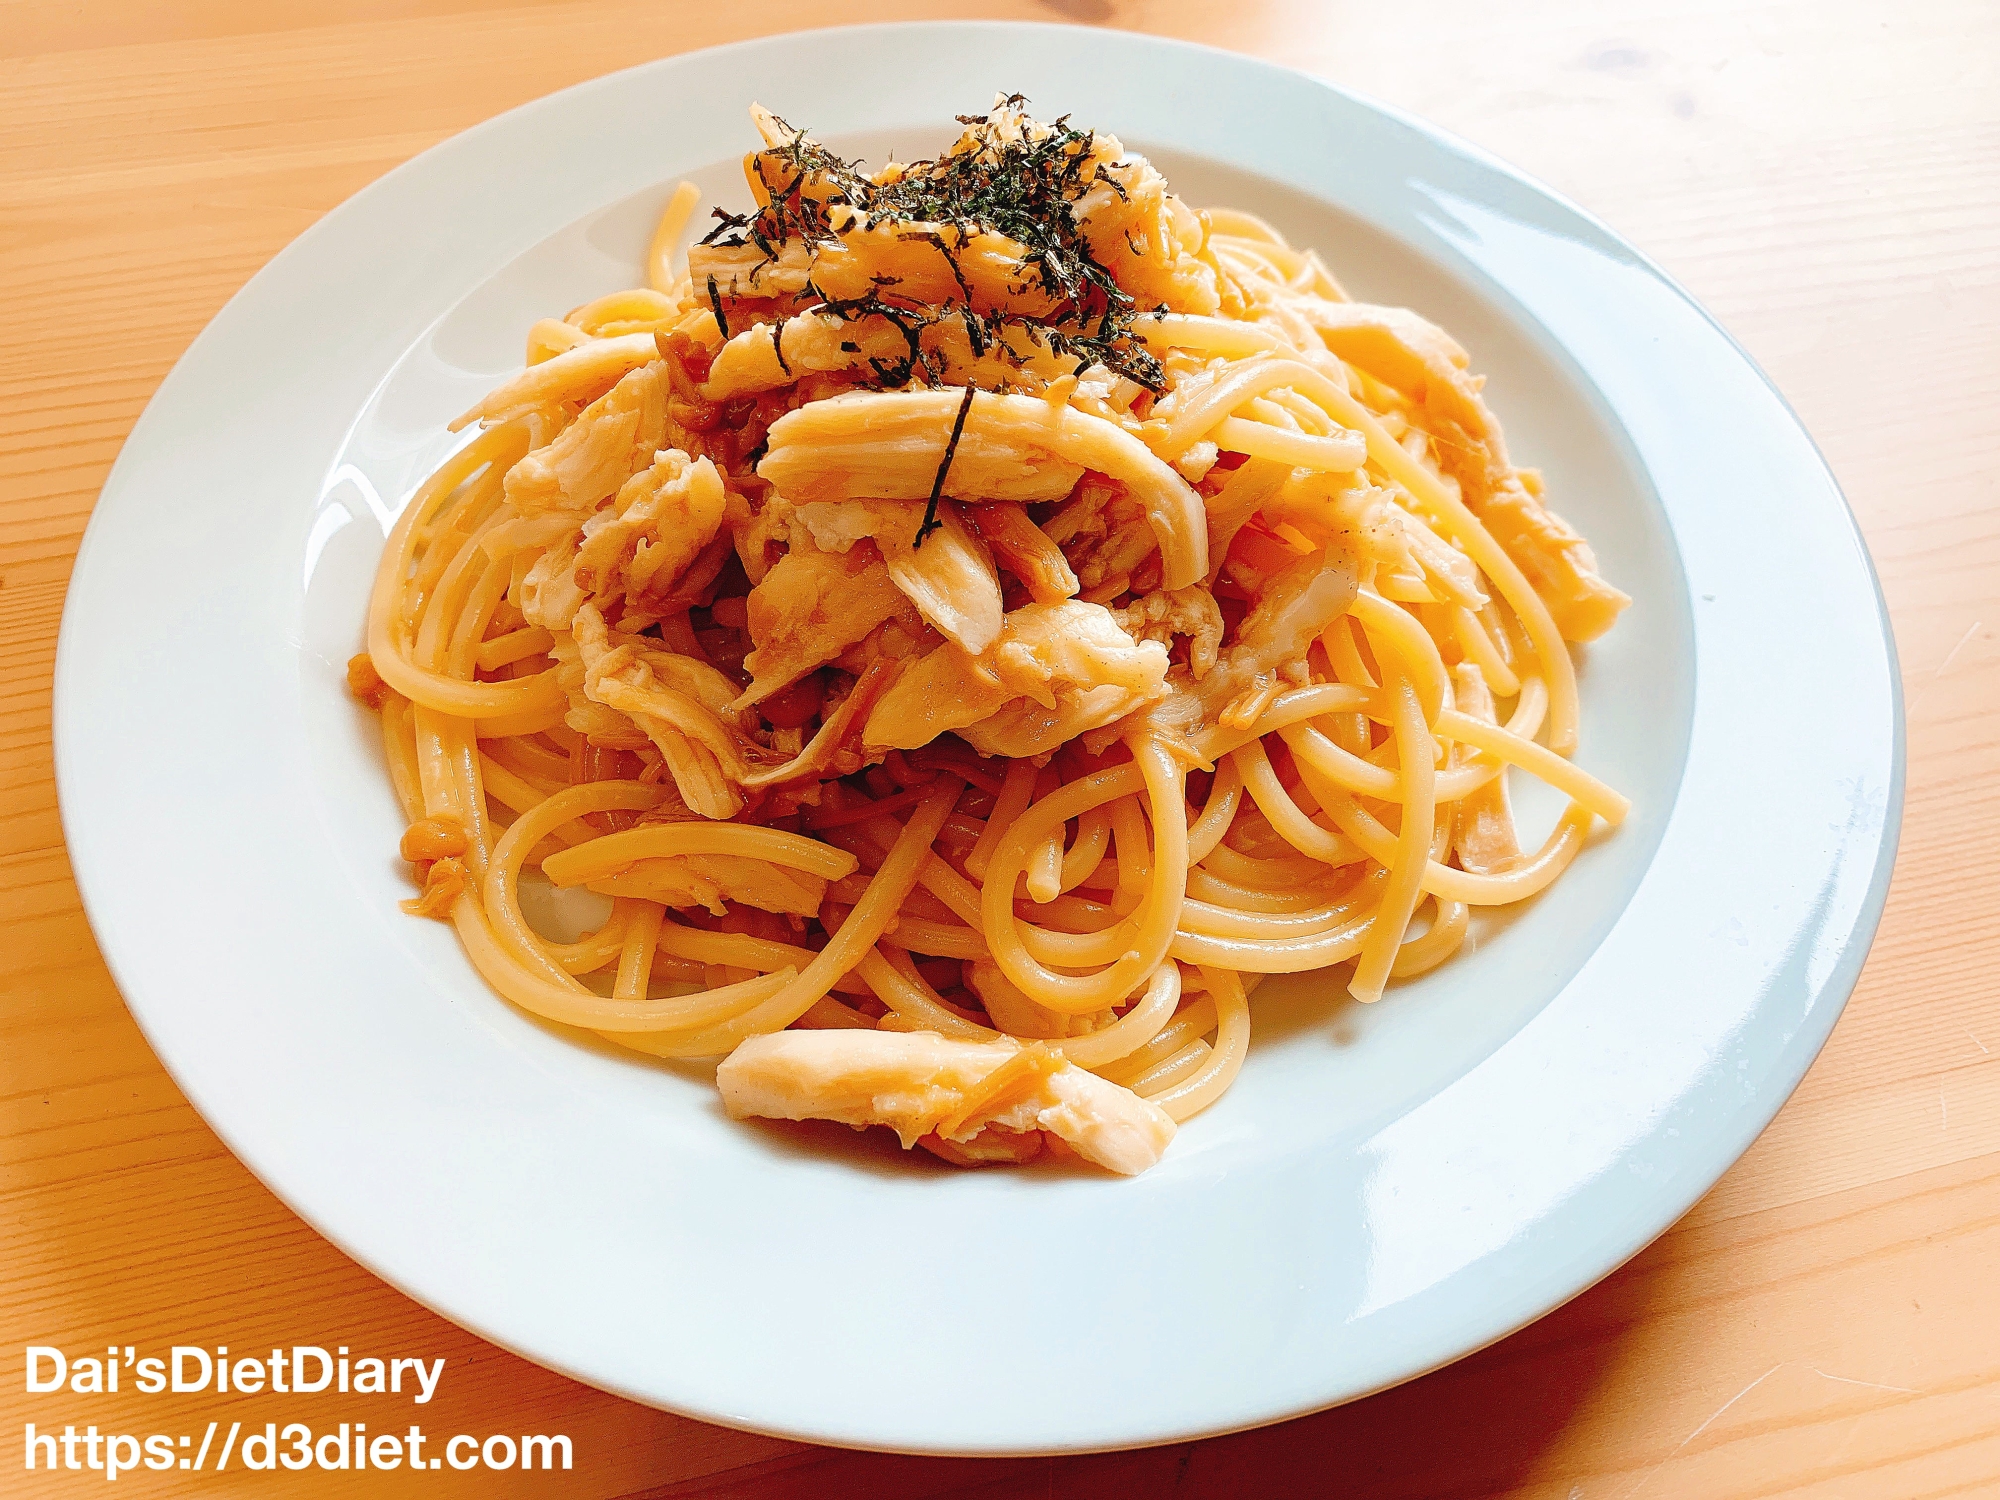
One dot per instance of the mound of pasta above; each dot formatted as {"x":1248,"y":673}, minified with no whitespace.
{"x":973,"y":620}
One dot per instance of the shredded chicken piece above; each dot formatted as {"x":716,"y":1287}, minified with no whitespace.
{"x":1367,"y":519}
{"x":1025,"y":550}
{"x":1418,"y":358}
{"x":1056,"y":671}
{"x":1166,"y":613}
{"x":1148,"y":237}
{"x":989,"y":262}
{"x":892,"y":444}
{"x":682,"y":705}
{"x":950,"y":577}
{"x":550,"y":595}
{"x":1244,"y":493}
{"x":611,"y":439}
{"x":1271,"y":644}
{"x":766,"y":356}
{"x":810,"y":607}
{"x":919,"y":1083}
{"x":710,"y":880}
{"x":1100,"y":535}
{"x":660,"y":520}
{"x":1194,"y":464}
{"x":445,"y":880}
{"x":760,"y":535}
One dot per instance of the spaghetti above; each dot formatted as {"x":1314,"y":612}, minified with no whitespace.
{"x":972,"y":621}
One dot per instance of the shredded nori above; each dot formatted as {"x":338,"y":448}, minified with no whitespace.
{"x":931,"y":521}
{"x":715,"y":301}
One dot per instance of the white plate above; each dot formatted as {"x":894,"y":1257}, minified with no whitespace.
{"x":1384,"y":1189}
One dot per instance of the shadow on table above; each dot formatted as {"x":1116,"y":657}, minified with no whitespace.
{"x":1486,"y":1426}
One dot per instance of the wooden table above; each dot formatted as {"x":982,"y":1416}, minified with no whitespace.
{"x":1825,"y":176}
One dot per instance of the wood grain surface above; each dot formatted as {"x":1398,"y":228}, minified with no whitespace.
{"x":1823,"y":174}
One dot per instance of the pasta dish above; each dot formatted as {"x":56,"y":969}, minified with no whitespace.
{"x":973,"y":620}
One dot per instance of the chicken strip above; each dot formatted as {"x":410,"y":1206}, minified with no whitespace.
{"x":891,"y":445}
{"x":1101,"y":534}
{"x":1166,"y":613}
{"x":1025,"y":550}
{"x":1056,"y":671}
{"x":950,"y":578}
{"x":659,"y":521}
{"x":681,"y":704}
{"x":612,"y":438}
{"x":1270,"y":648}
{"x":919,"y":1083}
{"x":709,"y":880}
{"x":810,"y":607}
{"x":1426,"y":364}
